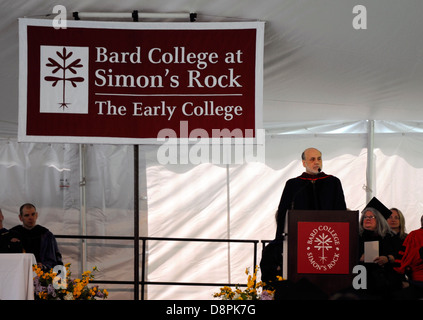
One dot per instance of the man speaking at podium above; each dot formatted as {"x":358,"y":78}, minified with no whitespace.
{"x":313,"y":190}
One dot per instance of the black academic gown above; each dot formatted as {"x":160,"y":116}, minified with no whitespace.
{"x":310,"y":192}
{"x":6,"y":243}
{"x":381,"y":280}
{"x":42,"y":243}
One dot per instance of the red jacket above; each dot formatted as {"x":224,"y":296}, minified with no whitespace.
{"x":410,"y":255}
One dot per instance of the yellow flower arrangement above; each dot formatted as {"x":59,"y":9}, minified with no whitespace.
{"x":49,"y":286}
{"x":254,"y":291}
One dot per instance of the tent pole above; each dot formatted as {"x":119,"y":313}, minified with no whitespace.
{"x":83,"y":205}
{"x":136,"y":226}
{"x":228,"y":219}
{"x":370,"y":160}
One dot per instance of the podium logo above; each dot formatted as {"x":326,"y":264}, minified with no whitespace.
{"x":323,"y":249}
{"x":64,"y":79}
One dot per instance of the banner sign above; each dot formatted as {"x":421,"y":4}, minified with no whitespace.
{"x":132,"y":82}
{"x":323,"y":247}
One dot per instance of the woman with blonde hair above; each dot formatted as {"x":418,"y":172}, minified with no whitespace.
{"x":397,"y":223}
{"x":382,"y":280}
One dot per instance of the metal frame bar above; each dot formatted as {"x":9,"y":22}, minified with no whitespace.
{"x":142,"y":282}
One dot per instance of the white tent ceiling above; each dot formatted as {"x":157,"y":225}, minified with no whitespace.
{"x":317,"y":67}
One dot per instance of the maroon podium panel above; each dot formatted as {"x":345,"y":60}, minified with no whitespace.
{"x":322,"y":247}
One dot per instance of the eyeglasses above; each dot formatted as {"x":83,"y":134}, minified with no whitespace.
{"x":369,"y":217}
{"x":394,"y":217}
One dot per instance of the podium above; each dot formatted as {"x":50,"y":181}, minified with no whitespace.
{"x":322,"y":247}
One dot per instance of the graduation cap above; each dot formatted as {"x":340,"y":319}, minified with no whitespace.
{"x":379,"y":206}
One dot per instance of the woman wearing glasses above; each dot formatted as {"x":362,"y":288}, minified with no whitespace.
{"x":382,"y":280}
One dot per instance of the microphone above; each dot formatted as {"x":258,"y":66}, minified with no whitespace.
{"x":319,"y":170}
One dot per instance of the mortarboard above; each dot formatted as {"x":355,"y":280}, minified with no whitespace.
{"x":379,"y":206}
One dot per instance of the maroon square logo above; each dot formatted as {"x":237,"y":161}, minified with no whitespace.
{"x":323,"y":247}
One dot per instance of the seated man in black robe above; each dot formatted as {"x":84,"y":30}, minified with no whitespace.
{"x":37,"y":239}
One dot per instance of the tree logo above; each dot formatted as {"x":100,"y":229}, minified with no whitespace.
{"x":323,"y":247}
{"x":63,"y":66}
{"x":64,"y":79}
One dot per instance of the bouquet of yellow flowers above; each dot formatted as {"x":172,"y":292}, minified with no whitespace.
{"x":50,"y":286}
{"x":254,"y":291}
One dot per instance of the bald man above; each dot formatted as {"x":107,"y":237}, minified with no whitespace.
{"x":313,"y":190}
